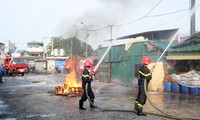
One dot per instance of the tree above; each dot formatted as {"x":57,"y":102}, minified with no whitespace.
{"x":70,"y":45}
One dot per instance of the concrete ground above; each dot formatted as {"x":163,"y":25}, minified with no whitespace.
{"x":32,"y":97}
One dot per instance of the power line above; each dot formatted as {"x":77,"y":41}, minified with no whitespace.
{"x":67,"y":32}
{"x":153,"y":8}
{"x":142,"y":16}
{"x":168,"y":13}
{"x":145,"y":16}
{"x":179,"y":17}
{"x":92,"y":29}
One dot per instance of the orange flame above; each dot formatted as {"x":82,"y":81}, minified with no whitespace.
{"x":71,"y":79}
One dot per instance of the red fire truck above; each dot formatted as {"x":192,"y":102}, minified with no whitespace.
{"x":81,"y":62}
{"x":15,"y":65}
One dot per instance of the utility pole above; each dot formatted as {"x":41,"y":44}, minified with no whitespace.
{"x":43,"y":47}
{"x":71,"y":48}
{"x":192,"y":19}
{"x":52,"y":47}
{"x":86,"y":47}
{"x":111,"y":30}
{"x":111,"y":39}
{"x":86,"y":38}
{"x":72,"y":42}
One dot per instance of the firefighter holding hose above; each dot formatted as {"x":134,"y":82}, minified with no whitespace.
{"x":87,"y":78}
{"x":144,"y":74}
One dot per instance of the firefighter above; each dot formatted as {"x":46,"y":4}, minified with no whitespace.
{"x":144,"y":73}
{"x":1,"y":73}
{"x":87,"y":78}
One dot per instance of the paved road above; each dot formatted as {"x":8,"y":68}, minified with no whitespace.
{"x":32,"y":97}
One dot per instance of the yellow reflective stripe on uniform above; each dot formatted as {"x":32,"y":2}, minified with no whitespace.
{"x":85,"y":75}
{"x":144,"y":74}
{"x":136,"y":102}
{"x":140,"y":105}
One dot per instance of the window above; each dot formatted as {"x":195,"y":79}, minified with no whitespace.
{"x":95,"y":62}
{"x":19,"y":60}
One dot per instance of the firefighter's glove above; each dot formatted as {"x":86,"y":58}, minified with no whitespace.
{"x":152,"y":69}
{"x":92,"y":73}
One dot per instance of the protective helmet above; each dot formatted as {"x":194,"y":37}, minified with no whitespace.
{"x":146,"y":60}
{"x":87,"y":63}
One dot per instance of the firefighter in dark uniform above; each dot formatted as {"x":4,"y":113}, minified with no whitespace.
{"x":87,"y":78}
{"x":144,"y":73}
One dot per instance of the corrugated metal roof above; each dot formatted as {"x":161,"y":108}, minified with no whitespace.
{"x":192,"y":41}
{"x":35,"y":42}
{"x":163,"y":45}
{"x":18,"y":51}
{"x":156,"y":34}
{"x":188,"y":48}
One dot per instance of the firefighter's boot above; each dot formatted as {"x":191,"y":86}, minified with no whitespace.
{"x":81,"y":105}
{"x":139,"y":112}
{"x":92,"y":105}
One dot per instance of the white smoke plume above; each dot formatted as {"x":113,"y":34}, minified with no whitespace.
{"x":108,"y":12}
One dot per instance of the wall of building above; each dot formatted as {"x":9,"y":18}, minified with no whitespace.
{"x":9,"y":47}
{"x":2,"y":54}
{"x":51,"y":66}
{"x":39,"y":66}
{"x":120,"y":66}
{"x":35,"y":48}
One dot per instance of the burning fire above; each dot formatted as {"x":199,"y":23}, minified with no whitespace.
{"x":71,"y":85}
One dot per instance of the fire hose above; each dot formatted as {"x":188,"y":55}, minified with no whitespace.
{"x":165,"y":114}
{"x":133,"y":111}
{"x":86,"y":91}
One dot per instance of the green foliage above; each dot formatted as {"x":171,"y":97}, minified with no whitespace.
{"x":70,"y":46}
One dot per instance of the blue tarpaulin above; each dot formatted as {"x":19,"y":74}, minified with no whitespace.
{"x":59,"y":65}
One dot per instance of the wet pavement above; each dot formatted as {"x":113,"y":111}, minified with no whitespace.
{"x":32,"y":97}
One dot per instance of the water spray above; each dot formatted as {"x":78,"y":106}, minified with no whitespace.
{"x":173,"y":38}
{"x":104,"y":54}
{"x":96,"y":69}
{"x":12,"y":57}
{"x":145,"y":83}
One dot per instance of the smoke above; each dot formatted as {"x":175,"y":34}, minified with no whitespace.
{"x":105,"y":13}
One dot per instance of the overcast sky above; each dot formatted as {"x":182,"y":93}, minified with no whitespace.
{"x":22,"y":21}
